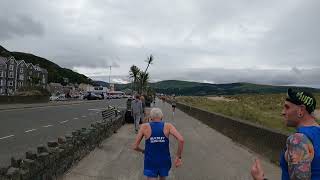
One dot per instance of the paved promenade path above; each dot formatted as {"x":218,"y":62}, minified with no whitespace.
{"x":207,"y":155}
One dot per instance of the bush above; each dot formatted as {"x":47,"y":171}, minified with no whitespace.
{"x":32,"y":91}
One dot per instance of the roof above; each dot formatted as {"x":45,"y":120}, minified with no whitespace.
{"x":18,"y":61}
{"x":3,"y":60}
{"x":11,"y":58}
{"x":21,"y":61}
{"x":30,"y":64}
{"x":43,"y":70}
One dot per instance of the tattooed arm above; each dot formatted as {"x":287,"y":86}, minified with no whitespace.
{"x":299,"y":156}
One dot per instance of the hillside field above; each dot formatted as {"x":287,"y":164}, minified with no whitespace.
{"x":263,"y":109}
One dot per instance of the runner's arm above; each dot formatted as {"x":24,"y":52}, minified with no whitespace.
{"x":179,"y":137}
{"x":300,"y":154}
{"x":139,"y":137}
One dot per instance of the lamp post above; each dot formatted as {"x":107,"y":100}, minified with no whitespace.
{"x":109,"y":75}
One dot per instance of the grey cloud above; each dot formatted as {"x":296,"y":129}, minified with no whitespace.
{"x":277,"y":77}
{"x":296,"y":70}
{"x":19,"y":25}
{"x":295,"y":39}
{"x":81,"y":60}
{"x":113,"y":79}
{"x":115,"y":64}
{"x":307,"y":77}
{"x":180,"y":34}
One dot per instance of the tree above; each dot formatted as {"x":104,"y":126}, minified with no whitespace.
{"x":141,"y":78}
{"x":134,"y":72}
{"x":149,"y":61}
{"x":144,"y":76}
{"x":143,"y":81}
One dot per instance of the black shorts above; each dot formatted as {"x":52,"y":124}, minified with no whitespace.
{"x":173,"y":106}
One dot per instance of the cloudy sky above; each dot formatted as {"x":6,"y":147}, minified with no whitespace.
{"x":216,"y":41}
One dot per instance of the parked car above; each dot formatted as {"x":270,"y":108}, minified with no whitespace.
{"x":61,"y":97}
{"x":53,"y":98}
{"x":92,"y":96}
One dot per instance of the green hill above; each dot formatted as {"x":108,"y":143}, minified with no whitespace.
{"x":204,"y":89}
{"x":55,"y":72}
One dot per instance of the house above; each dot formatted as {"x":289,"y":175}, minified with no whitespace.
{"x":30,"y":72}
{"x":17,"y":74}
{"x":11,"y":75}
{"x":41,"y":76}
{"x":85,"y":87}
{"x":36,"y":76}
{"x":44,"y":77}
{"x":21,"y":74}
{"x":3,"y":73}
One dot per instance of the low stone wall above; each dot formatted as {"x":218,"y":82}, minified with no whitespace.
{"x":264,"y":141}
{"x":23,"y":99}
{"x":52,"y":160}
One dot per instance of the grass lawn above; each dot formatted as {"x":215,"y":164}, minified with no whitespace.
{"x":262,"y":109}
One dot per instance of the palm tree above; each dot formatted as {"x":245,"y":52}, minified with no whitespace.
{"x":144,"y":76}
{"x":134,"y":72}
{"x":149,"y":61}
{"x":143,"y":79}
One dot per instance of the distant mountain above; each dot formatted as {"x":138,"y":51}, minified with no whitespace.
{"x":200,"y":89}
{"x":100,"y":83}
{"x":195,"y":88}
{"x":55,"y":72}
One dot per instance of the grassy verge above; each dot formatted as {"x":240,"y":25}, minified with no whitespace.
{"x":261,"y":109}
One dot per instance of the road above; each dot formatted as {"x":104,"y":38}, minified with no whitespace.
{"x":24,"y":129}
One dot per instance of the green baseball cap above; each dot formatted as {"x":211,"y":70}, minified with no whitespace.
{"x":302,"y":98}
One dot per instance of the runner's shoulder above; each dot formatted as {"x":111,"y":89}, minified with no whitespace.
{"x":168,"y":125}
{"x":145,"y":125}
{"x":298,"y":139}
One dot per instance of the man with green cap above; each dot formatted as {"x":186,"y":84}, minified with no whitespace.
{"x":301,"y":157}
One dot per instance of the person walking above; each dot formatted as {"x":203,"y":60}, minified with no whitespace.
{"x":154,"y":101}
{"x":157,"y":158}
{"x":136,"y":111}
{"x":173,"y":104}
{"x":143,"y":101}
{"x":301,"y":157}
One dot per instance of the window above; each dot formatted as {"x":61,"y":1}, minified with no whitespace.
{"x":20,"y":84}
{"x":2,"y":74}
{"x":1,"y":82}
{"x":1,"y":91}
{"x":10,"y":83}
{"x":11,"y":67}
{"x":21,"y":77}
{"x":10,"y":74}
{"x":30,"y":72}
{"x":21,"y":70}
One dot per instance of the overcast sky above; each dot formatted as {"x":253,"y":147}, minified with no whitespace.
{"x":216,"y":41}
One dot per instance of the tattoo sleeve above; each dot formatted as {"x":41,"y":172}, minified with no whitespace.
{"x":299,"y":154}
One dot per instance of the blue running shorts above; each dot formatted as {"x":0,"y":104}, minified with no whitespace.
{"x":164,"y":172}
